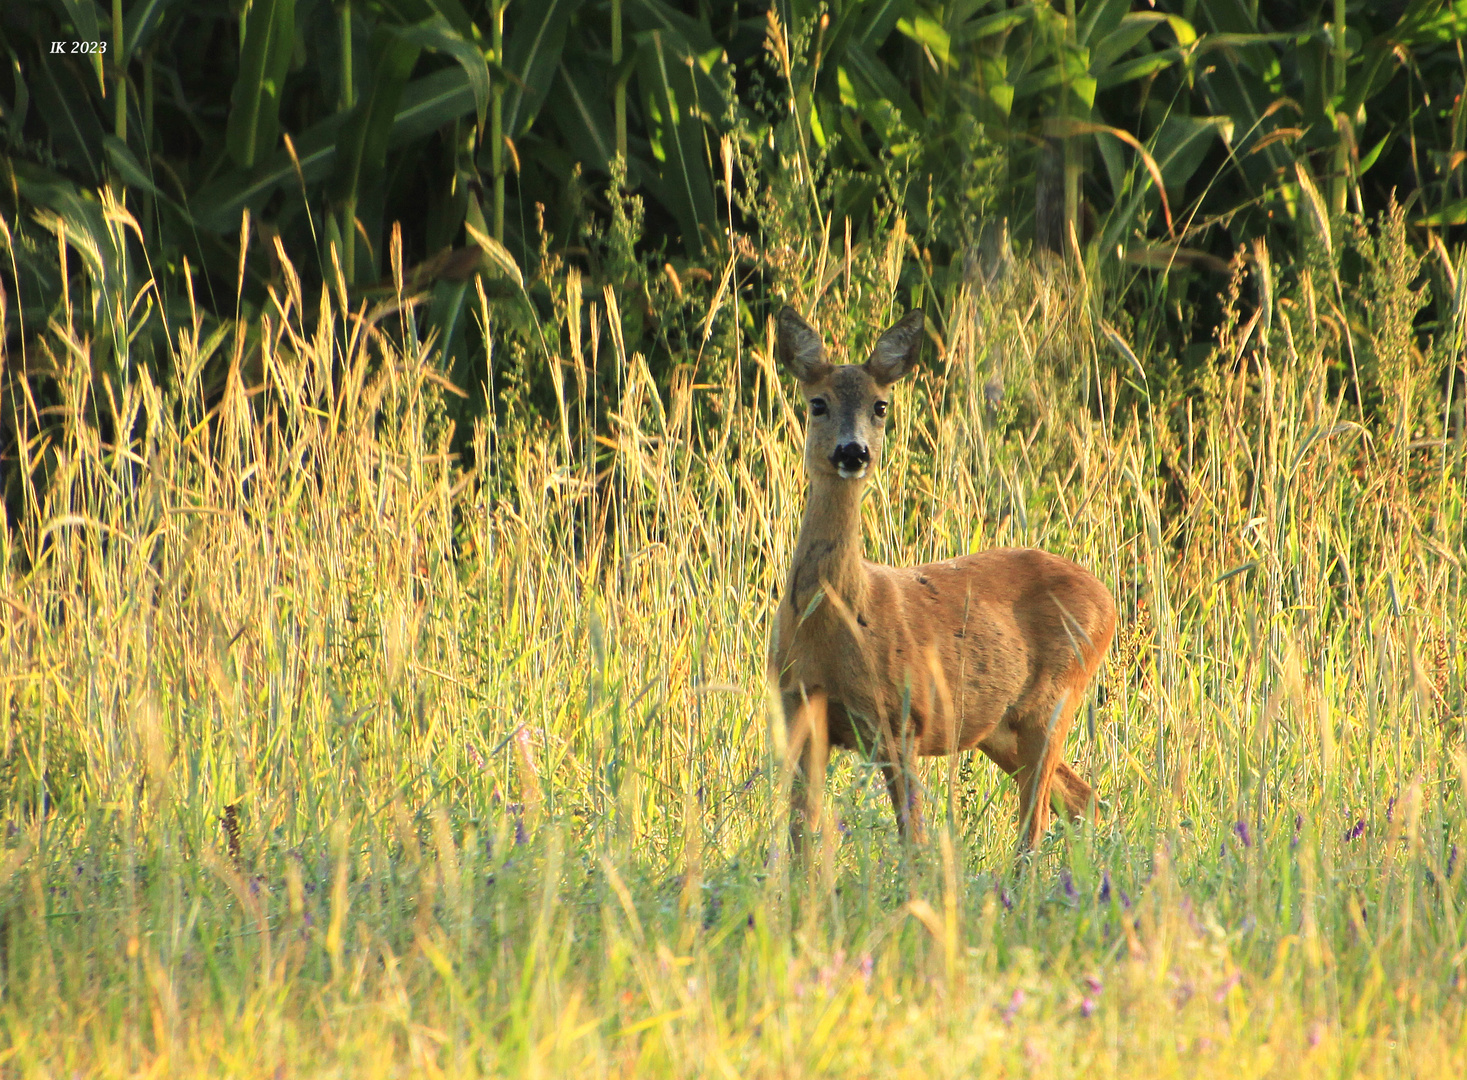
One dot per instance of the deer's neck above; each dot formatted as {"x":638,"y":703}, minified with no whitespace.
{"x":828,"y":551}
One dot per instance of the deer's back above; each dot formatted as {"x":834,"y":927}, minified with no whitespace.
{"x":961,"y":645}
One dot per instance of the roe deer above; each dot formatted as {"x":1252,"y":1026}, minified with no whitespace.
{"x":992,"y":650}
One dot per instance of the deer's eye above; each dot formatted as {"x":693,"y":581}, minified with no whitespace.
{"x":817,"y":406}
{"x":880,"y":408}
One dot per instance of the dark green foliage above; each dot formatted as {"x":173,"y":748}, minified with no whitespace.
{"x":1158,"y":138}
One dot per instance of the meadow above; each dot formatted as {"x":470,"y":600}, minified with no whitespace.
{"x":330,"y":751}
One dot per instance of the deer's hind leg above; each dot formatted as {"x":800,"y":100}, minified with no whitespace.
{"x":1041,"y":742}
{"x":1078,"y":796}
{"x":1020,"y":749}
{"x":1027,"y":745}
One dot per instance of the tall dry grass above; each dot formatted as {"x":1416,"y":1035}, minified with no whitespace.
{"x":329,"y":752}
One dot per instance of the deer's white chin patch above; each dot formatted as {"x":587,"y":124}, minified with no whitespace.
{"x":851,"y":474}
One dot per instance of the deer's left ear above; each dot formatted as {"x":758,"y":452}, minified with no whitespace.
{"x":896,"y":350}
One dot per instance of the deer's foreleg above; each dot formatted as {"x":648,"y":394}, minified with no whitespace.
{"x":807,"y":752}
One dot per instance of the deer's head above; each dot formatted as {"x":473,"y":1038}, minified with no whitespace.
{"x":847,"y":402}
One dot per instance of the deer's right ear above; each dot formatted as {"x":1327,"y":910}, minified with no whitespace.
{"x":800,"y":348}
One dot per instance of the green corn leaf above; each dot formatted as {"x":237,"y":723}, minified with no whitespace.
{"x":1181,"y":143}
{"x":1116,"y":171}
{"x":1252,"y":42}
{"x":1370,"y":157}
{"x":659,"y":15}
{"x":411,"y":12}
{"x":692,"y":39}
{"x":927,"y":31}
{"x":1099,"y":19}
{"x":532,"y":52}
{"x":140,"y":25}
{"x":1071,"y":65}
{"x":673,"y":113}
{"x":1132,"y":31}
{"x":578,"y":103}
{"x":76,"y":133}
{"x":1454,"y":213}
{"x":429,"y":103}
{"x":1139,"y":68}
{"x":1431,"y":22}
{"x":254,"y":118}
{"x":874,"y":84}
{"x":83,"y":15}
{"x":1185,"y":32}
{"x":991,"y":25}
{"x":877,"y":19}
{"x":368,"y":129}
{"x":426,"y":105}
{"x":1371,"y":75}
{"x":128,"y":166}
{"x":438,"y":35}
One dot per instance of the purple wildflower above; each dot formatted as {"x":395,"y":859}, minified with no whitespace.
{"x":476,"y":757}
{"x":1298,"y":826}
{"x":1094,"y":985}
{"x":1452,"y":861}
{"x":1390,"y":809}
{"x":1222,"y":991}
{"x":867,"y":966}
{"x":1191,"y":912}
{"x":1003,"y":895}
{"x":1105,"y":887}
{"x":1355,"y":831}
{"x":1068,"y":884}
{"x":1087,"y":1008}
{"x":1240,"y":830}
{"x":1015,"y":1004}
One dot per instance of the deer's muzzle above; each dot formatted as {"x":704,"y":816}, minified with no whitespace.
{"x":851,"y":459}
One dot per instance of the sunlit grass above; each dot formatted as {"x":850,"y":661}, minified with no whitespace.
{"x":328,"y":752}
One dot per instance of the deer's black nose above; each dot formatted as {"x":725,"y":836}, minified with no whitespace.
{"x":851,"y":456}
